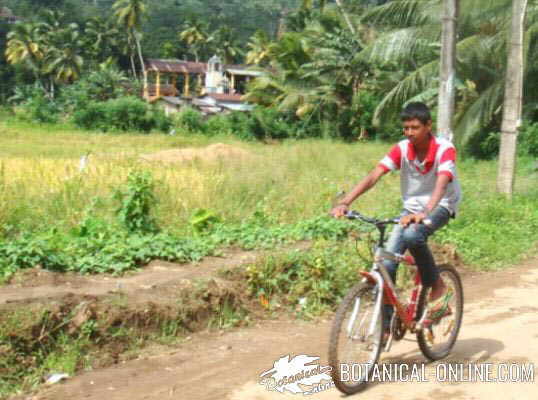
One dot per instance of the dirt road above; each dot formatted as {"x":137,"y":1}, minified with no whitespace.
{"x":500,"y":326}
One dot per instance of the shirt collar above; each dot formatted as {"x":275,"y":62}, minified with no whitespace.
{"x":430,"y":156}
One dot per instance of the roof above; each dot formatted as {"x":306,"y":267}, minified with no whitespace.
{"x":242,"y":71}
{"x":181,"y":66}
{"x":177,"y":66}
{"x":230,"y":98}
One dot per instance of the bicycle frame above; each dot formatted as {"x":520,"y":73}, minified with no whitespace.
{"x":380,"y":275}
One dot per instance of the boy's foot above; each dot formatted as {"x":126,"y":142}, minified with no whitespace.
{"x":438,"y":290}
{"x":441,"y":308}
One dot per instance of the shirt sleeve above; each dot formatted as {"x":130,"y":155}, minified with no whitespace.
{"x":393,"y":160}
{"x":447,"y":163}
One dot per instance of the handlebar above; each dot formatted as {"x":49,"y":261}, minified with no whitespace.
{"x":379,"y":222}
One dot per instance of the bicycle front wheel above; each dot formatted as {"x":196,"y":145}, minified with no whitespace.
{"x":356,"y":338}
{"x":440,"y":331}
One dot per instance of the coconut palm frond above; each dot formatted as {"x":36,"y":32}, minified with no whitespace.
{"x":428,"y":96}
{"x":402,"y":45}
{"x":416,"y":82}
{"x":480,"y":112}
{"x":400,"y":13}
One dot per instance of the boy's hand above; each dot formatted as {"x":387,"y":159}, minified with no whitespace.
{"x":412,"y":218}
{"x":339,"y":211}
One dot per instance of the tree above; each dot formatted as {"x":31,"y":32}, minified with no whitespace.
{"x":346,"y":16}
{"x":64,"y":62}
{"x":259,"y":48}
{"x":25,"y":47}
{"x":512,"y":100}
{"x":225,"y":44}
{"x":408,"y":41}
{"x":101,"y":39}
{"x":195,"y":36}
{"x":316,"y":76}
{"x":130,"y":14}
{"x":447,"y":90}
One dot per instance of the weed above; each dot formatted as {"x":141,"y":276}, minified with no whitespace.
{"x":137,"y":200}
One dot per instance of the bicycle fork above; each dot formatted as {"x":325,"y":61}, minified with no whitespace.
{"x":376,"y":276}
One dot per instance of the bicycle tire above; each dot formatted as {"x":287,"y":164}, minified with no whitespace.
{"x":367,"y":293}
{"x":429,"y":349}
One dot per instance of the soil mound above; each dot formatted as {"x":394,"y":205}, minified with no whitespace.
{"x":210,"y":153}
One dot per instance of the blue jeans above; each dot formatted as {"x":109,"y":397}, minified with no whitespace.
{"x":414,"y":238}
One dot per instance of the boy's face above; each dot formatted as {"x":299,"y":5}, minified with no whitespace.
{"x":416,"y":131}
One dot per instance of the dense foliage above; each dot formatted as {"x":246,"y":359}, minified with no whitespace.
{"x":338,"y":70}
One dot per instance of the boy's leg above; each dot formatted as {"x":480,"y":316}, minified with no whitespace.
{"x":415,"y":238}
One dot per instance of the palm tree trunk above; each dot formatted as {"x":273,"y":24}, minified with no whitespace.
{"x":512,"y":100}
{"x":133,"y":64}
{"x":141,"y":59}
{"x":281,"y":28}
{"x":346,"y":16}
{"x":448,"y":70}
{"x":139,"y":49}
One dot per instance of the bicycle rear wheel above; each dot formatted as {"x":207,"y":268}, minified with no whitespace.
{"x":439,"y":335}
{"x":356,"y":338}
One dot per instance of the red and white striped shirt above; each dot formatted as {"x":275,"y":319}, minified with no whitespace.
{"x":417,"y":179}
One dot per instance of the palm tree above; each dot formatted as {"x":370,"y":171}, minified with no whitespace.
{"x":512,"y":100}
{"x":25,"y":47}
{"x":259,"y":48}
{"x":130,"y":14}
{"x":316,"y":75}
{"x":195,"y":36}
{"x":64,"y":63}
{"x":346,"y":16}
{"x":101,"y":38}
{"x":226,"y":44}
{"x":409,"y":38}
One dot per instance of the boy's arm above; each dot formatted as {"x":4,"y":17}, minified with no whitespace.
{"x":438,"y":192}
{"x":368,"y":182}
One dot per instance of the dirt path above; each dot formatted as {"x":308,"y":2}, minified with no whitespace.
{"x":500,"y":326}
{"x":38,"y":284}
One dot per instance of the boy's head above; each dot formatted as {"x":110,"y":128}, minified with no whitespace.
{"x":418,"y":111}
{"x":417,"y":123}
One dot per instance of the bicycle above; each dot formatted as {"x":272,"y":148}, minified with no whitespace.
{"x":358,"y":324}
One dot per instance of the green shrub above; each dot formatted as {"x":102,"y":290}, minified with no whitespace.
{"x":218,"y":125}
{"x":35,"y":106}
{"x":241,"y":125}
{"x":489,"y":147}
{"x":129,"y":114}
{"x":190,"y":120}
{"x":485,"y":145}
{"x":122,"y":114}
{"x":100,"y":85}
{"x":91,"y":116}
{"x":528,"y":140}
{"x":161,"y":121}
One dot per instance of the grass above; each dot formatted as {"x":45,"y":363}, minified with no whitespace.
{"x":287,"y":182}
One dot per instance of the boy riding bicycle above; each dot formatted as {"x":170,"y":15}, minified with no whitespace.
{"x":430,"y":190}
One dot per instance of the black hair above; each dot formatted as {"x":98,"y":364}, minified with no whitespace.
{"x":417,"y":110}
